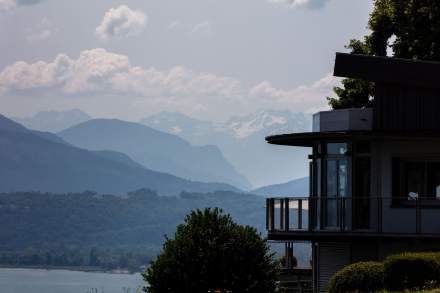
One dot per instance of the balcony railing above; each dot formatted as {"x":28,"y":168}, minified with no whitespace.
{"x":361,"y":215}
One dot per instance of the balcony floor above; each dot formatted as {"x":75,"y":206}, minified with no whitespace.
{"x":338,"y":236}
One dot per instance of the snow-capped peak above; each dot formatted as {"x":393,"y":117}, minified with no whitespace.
{"x":268,"y":122}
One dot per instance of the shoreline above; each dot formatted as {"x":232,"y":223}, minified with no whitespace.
{"x":68,"y":268}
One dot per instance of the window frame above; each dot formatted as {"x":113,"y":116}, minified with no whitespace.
{"x":400,"y":196}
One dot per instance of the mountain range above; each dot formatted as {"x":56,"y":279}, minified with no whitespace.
{"x":242,"y":141}
{"x":156,"y":150}
{"x":41,"y":161}
{"x":53,"y":121}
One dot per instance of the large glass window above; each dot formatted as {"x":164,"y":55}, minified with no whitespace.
{"x":417,"y":179}
{"x":336,"y":182}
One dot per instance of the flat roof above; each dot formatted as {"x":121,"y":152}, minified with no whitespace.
{"x":309,"y":139}
{"x":388,"y":70}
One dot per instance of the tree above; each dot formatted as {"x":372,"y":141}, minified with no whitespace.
{"x":210,"y":252}
{"x":415,"y":27}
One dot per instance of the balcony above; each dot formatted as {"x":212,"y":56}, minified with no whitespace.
{"x":315,"y":218}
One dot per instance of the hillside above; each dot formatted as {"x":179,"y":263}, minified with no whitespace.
{"x":155,"y":150}
{"x":106,"y":230}
{"x":295,"y":188}
{"x":41,"y":162}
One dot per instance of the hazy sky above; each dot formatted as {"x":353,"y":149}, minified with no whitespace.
{"x":209,"y":59}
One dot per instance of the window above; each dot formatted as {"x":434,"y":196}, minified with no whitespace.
{"x":336,"y":164}
{"x":415,"y":179}
{"x":337,"y":148}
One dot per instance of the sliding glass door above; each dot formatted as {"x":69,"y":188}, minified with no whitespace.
{"x":336,"y":184}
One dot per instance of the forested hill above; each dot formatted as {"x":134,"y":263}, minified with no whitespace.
{"x":33,"y":160}
{"x":110,"y":231}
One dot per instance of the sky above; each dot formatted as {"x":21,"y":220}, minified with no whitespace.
{"x":209,"y":59}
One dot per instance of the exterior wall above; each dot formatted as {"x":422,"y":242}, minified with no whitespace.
{"x":331,"y":258}
{"x":343,"y":120}
{"x":406,"y":107}
{"x":400,"y":219}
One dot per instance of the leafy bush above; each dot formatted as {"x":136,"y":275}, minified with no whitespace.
{"x":358,"y":277}
{"x":412,"y":271}
{"x":209,"y":252}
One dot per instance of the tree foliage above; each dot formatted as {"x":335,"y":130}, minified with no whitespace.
{"x":210,"y":252}
{"x":106,"y":231}
{"x":411,"y":29}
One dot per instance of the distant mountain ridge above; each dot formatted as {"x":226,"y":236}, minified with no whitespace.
{"x":263,"y":123}
{"x":294,"y":188}
{"x":36,"y":161}
{"x":53,"y":121}
{"x":155,"y":150}
{"x":242,"y":141}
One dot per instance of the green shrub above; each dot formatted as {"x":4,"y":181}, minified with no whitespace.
{"x":412,"y":271}
{"x":358,"y":277}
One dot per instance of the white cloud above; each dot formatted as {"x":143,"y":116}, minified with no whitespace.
{"x":174,"y":25}
{"x":121,"y":22}
{"x":203,"y":29}
{"x":313,"y":4}
{"x":97,"y":70}
{"x":7,"y":5}
{"x":307,"y":98}
{"x":99,"y":73}
{"x":27,"y":2}
{"x":43,"y":31}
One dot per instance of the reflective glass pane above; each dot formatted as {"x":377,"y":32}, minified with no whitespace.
{"x":343,"y":178}
{"x":415,"y":179}
{"x":331,"y":212}
{"x":337,"y":148}
{"x":332,"y":178}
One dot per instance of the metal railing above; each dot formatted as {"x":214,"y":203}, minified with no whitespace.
{"x":392,"y":215}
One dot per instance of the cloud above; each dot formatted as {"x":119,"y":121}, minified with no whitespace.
{"x":101,"y":74}
{"x":43,"y":31}
{"x":28,"y":2}
{"x":100,"y":71}
{"x":7,"y":5}
{"x":203,"y":29}
{"x":121,"y":22}
{"x":307,"y":98}
{"x":311,"y":4}
{"x":174,"y":25}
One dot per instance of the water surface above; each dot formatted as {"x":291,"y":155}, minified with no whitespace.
{"x":63,"y":281}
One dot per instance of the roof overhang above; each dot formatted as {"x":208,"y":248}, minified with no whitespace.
{"x":310,"y":139}
{"x":388,"y":70}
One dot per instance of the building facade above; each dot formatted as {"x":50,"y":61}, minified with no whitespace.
{"x":374,"y":173}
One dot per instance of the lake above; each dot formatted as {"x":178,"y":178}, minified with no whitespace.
{"x":63,"y":281}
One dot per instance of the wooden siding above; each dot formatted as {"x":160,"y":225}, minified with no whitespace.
{"x":400,"y":108}
{"x":332,"y":257}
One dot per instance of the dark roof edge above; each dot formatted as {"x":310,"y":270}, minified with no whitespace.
{"x":388,"y":70}
{"x":308,"y":139}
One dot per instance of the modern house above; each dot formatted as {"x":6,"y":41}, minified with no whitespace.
{"x":374,"y":173}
